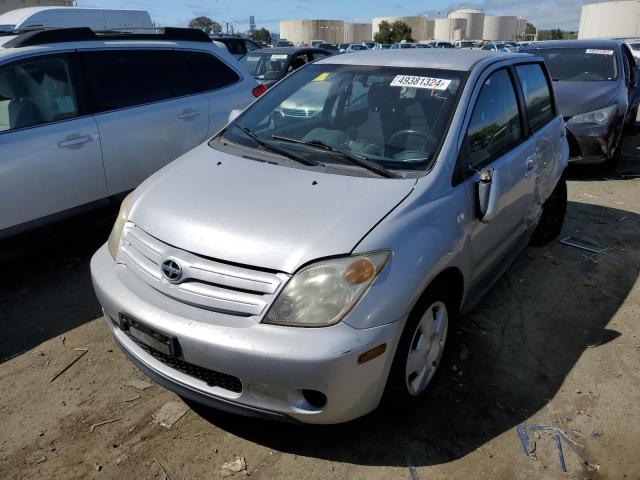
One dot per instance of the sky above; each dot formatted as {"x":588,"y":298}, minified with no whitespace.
{"x":564,"y":14}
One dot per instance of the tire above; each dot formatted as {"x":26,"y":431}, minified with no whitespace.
{"x":430,"y":324}
{"x":552,"y":218}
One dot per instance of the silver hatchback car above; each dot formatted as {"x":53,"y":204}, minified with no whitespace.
{"x":304,"y":267}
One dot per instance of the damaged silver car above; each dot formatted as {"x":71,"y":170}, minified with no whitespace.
{"x":305,"y":266}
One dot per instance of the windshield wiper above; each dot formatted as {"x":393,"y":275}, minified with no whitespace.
{"x":273,"y":148}
{"x":359,"y":160}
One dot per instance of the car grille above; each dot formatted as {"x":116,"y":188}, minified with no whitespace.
{"x":295,"y":112}
{"x":204,"y":283}
{"x":210,"y":377}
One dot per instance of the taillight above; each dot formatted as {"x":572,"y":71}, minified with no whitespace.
{"x":259,"y":90}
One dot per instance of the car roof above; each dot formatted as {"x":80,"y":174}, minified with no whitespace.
{"x":289,"y":50}
{"x":443,"y":59}
{"x":587,"y":43}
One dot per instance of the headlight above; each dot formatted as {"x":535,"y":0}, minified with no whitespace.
{"x":322,"y":293}
{"x":116,"y":231}
{"x":603,"y":116}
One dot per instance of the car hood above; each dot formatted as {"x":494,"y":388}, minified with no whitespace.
{"x":258,"y":214}
{"x":580,"y":97}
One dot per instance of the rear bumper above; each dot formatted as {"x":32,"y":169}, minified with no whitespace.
{"x":273,"y":363}
{"x":592,"y":144}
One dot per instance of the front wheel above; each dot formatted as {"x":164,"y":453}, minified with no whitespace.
{"x":552,"y":217}
{"x":422,"y":347}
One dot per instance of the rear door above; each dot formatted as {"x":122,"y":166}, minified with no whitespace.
{"x":547,"y":134}
{"x":50,"y":159}
{"x":147,"y":112}
{"x":495,"y":139}
{"x":221,"y":86}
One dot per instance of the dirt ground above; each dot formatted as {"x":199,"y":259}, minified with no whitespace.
{"x":556,"y":342}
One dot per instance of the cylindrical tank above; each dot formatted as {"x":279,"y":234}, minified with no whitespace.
{"x":500,"y":27}
{"x":475,"y":22}
{"x":431,"y":28}
{"x":417,"y":24}
{"x":304,"y":31}
{"x":445,"y":28}
{"x":357,"y":32}
{"x":610,"y":20}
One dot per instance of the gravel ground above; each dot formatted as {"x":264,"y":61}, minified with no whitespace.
{"x":556,"y":342}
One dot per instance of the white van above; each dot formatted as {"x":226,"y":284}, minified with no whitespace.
{"x":98,"y":19}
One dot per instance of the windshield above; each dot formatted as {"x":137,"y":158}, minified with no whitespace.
{"x":635,"y":46}
{"x":265,"y":66}
{"x":396,"y":117}
{"x":580,"y":64}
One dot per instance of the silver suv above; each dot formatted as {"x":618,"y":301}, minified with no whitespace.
{"x":87,"y":116}
{"x":300,"y":268}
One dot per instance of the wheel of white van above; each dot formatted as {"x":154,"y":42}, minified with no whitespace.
{"x":422,"y":347}
{"x":552,"y":217}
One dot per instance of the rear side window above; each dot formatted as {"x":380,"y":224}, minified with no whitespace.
{"x":204,"y":71}
{"x":495,"y":123}
{"x":536,"y":94}
{"x":36,"y":91}
{"x":124,"y":79}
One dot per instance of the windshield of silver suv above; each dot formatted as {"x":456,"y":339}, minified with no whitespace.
{"x":370,"y":116}
{"x":580,"y":64}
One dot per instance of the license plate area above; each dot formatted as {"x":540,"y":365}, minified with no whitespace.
{"x":152,"y":338}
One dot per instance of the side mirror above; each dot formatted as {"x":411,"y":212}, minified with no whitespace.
{"x":233,"y":114}
{"x":488,"y":193}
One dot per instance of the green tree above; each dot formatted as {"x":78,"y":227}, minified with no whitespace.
{"x":261,"y":35}
{"x":393,"y":32}
{"x":530,"y":29}
{"x":206,"y":25}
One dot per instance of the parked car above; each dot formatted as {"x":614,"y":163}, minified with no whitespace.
{"x":85,"y":117}
{"x":284,"y":43}
{"x":496,"y":47}
{"x":402,"y":45}
{"x":328,"y":46}
{"x":355,"y":47}
{"x":465,"y":44}
{"x":370,"y":45}
{"x":269,"y":65}
{"x":382,"y":46}
{"x":343,"y":47}
{"x":635,"y":49}
{"x":597,"y":83}
{"x":98,"y":19}
{"x":442,"y":45}
{"x":302,"y":270}
{"x":237,"y":46}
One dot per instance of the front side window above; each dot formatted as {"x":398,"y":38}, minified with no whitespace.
{"x":580,"y":64}
{"x":127,"y":78}
{"x":495,"y":123}
{"x":266,"y":66}
{"x":537,"y":95}
{"x":35,"y":92}
{"x":250,"y":46}
{"x":396,"y":117}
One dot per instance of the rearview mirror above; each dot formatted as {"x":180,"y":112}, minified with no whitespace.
{"x":488,"y":193}
{"x":233,"y":114}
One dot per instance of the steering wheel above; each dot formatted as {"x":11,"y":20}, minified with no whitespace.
{"x":406,"y":133}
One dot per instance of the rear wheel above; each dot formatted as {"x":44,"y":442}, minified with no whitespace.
{"x":422,"y":347}
{"x":552,"y":218}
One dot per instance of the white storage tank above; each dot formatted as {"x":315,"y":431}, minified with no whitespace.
{"x":502,"y":27}
{"x":418,"y":25}
{"x":610,"y":20}
{"x":357,"y":32}
{"x":475,"y":22}
{"x":449,"y":29}
{"x":304,"y":31}
{"x":431,"y":28}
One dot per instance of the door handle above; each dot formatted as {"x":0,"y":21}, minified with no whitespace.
{"x":75,"y":141}
{"x":188,"y":114}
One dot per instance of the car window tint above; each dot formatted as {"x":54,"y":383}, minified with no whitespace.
{"x":36,"y":91}
{"x":252,"y":46}
{"x":536,"y":93}
{"x":204,"y":71}
{"x":124,"y":79}
{"x":235,"y":47}
{"x":495,"y":122}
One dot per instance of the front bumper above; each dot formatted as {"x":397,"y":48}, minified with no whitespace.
{"x":592,"y":144}
{"x":273,"y":363}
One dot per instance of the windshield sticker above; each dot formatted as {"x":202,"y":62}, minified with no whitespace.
{"x":420,"y":82}
{"x":322,"y":77}
{"x":279,"y":56}
{"x":595,"y":51}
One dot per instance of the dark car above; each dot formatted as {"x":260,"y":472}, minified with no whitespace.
{"x":269,"y":65}
{"x":597,"y":84}
{"x":237,"y":46}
